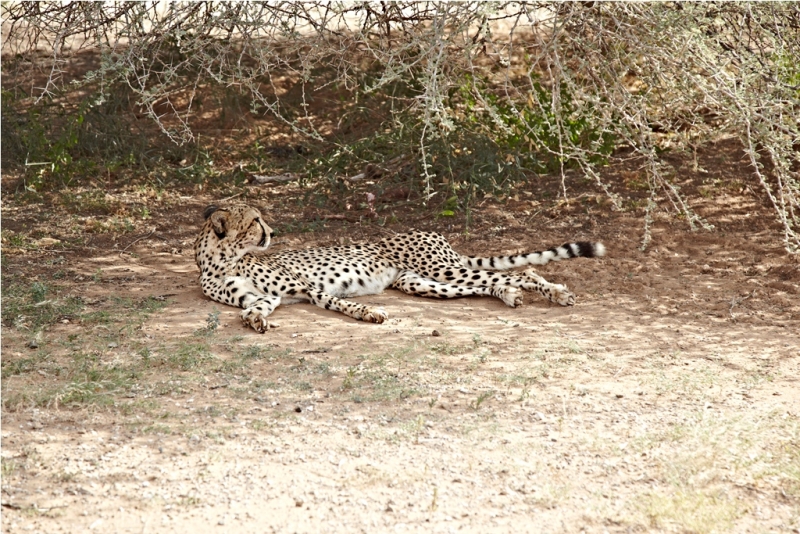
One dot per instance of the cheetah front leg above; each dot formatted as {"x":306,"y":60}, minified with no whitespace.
{"x":414,"y":284}
{"x":242,"y":292}
{"x":351,"y":309}
{"x":255,"y":315}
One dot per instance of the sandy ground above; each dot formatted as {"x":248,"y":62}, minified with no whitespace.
{"x":666,"y":400}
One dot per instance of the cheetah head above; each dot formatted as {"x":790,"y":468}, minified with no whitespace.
{"x":228,"y":234}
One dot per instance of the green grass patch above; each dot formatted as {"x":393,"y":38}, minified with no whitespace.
{"x":187,"y":356}
{"x":36,"y":304}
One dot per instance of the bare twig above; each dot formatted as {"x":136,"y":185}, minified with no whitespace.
{"x":152,"y":232}
{"x":735,"y":302}
{"x":233,"y":196}
{"x":277,"y":179}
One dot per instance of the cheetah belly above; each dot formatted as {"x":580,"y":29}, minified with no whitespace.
{"x":340,"y":271}
{"x":354,"y":284}
{"x":374,"y":284}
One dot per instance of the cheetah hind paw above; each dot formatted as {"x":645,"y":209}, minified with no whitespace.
{"x":257,"y":320}
{"x":511,"y":296}
{"x":561,"y":295}
{"x":375,"y":315}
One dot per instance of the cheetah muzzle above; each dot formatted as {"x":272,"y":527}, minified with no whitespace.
{"x":236,"y":269}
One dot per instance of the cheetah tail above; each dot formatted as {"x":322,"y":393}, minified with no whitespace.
{"x":565,"y":251}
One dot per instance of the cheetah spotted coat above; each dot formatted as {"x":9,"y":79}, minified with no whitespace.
{"x":236,"y":270}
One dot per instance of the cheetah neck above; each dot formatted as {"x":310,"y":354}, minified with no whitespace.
{"x":220,"y":262}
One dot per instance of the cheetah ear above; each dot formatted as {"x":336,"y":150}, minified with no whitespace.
{"x":219,"y":221}
{"x":209,"y":210}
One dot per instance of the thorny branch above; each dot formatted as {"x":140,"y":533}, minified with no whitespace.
{"x":655,"y":75}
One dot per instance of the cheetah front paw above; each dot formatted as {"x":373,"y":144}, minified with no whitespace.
{"x":374,"y":315}
{"x":257,"y":320}
{"x":561,"y":295}
{"x":511,"y":296}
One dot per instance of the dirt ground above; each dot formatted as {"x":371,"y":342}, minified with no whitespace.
{"x":665,"y":400}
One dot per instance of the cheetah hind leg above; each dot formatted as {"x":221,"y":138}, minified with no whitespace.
{"x":556,"y":293}
{"x":510,"y":295}
{"x":414,"y":284}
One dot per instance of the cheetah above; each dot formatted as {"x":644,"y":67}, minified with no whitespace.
{"x":235,"y":269}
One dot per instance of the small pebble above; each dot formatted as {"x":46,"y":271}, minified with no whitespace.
{"x":436,"y":333}
{"x":33,"y":344}
{"x":112,"y":345}
{"x":298,"y":502}
{"x":298,"y":409}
